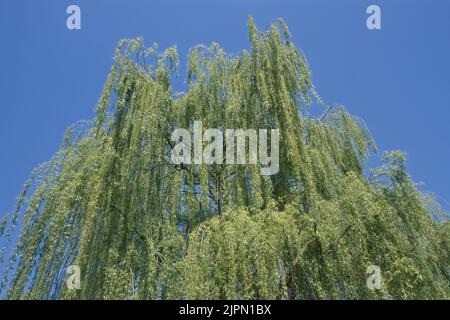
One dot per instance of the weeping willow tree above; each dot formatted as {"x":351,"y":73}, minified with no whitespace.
{"x":140,"y":227}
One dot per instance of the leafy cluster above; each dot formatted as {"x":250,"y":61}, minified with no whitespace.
{"x":140,"y":227}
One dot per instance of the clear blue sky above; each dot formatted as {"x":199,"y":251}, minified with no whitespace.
{"x":397,"y":79}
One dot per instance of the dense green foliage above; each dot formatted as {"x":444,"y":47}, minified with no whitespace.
{"x":111,"y":202}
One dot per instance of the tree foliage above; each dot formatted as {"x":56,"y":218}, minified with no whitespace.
{"x":140,"y":227}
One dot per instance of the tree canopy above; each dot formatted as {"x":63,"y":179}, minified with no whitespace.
{"x":141,"y":227}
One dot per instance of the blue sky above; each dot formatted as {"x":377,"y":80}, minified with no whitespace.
{"x":397,"y":79}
